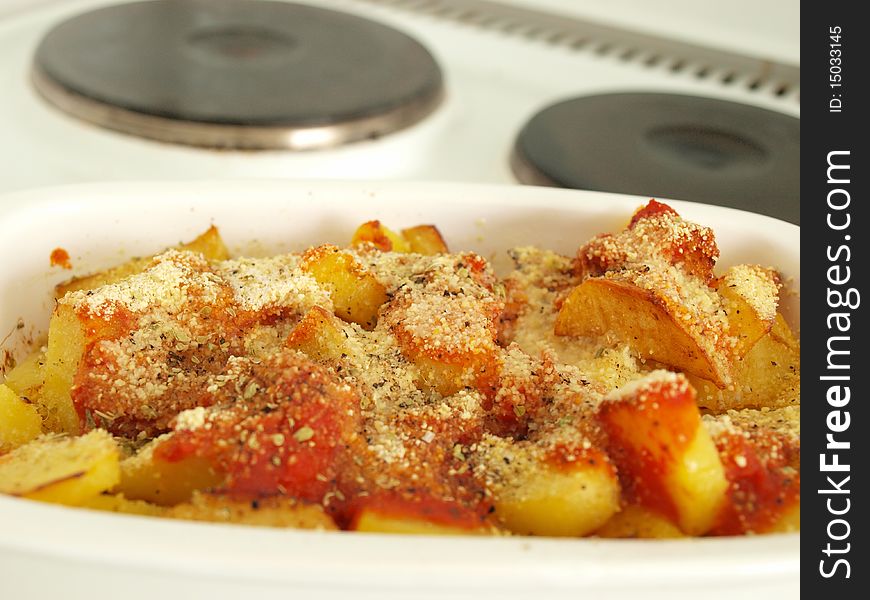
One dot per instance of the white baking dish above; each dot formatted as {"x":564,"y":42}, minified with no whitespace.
{"x":50,"y":551}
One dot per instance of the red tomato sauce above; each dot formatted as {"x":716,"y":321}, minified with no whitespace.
{"x":645,"y":448}
{"x":760,"y":488}
{"x":60,"y":258}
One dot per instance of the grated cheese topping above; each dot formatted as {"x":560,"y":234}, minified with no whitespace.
{"x":461,"y":391}
{"x":757,"y":286}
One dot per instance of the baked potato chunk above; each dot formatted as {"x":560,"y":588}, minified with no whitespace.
{"x":27,"y":377}
{"x":19,"y":420}
{"x":643,"y":318}
{"x":380,"y":236}
{"x":375,"y":520}
{"x":356,"y":294}
{"x":209,"y":244}
{"x":666,"y":459}
{"x":760,"y":451}
{"x":768,"y":376}
{"x":62,"y":470}
{"x":451,"y":341}
{"x":635,"y":521}
{"x":425,"y":239}
{"x":651,"y":286}
{"x":118,"y":503}
{"x":147,"y":477}
{"x":539,"y":493}
{"x":421,"y":515}
{"x":422,"y":239}
{"x":263,"y":512}
{"x":69,"y":335}
{"x":319,"y":335}
{"x":750,"y":295}
{"x":67,"y":338}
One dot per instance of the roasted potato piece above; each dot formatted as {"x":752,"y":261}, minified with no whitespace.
{"x":425,"y":239}
{"x":446,"y":376}
{"x":374,"y":520}
{"x":787,"y":522}
{"x":119,"y":504}
{"x":68,"y":337}
{"x":638,"y":522}
{"x":356,"y":294}
{"x":650,"y":286}
{"x":760,"y":450}
{"x":751,"y":295}
{"x":66,"y":344}
{"x":19,"y":420}
{"x":27,"y":377}
{"x":451,"y":340}
{"x":767,"y":376}
{"x":382,"y":237}
{"x":146,"y":477}
{"x":666,"y":459}
{"x":63,"y":470}
{"x":209,"y":244}
{"x":265,"y":512}
{"x":539,"y":494}
{"x":644,"y":320}
{"x":421,"y":515}
{"x":656,"y":236}
{"x":782,"y":333}
{"x":319,"y":335}
{"x":422,"y":239}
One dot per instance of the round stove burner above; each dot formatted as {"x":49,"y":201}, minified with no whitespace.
{"x":251,"y":74}
{"x":668,"y":146}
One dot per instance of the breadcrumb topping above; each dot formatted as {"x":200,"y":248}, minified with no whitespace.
{"x":757,"y":286}
{"x":458,"y":391}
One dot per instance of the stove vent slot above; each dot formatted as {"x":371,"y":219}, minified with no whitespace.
{"x":718,"y":67}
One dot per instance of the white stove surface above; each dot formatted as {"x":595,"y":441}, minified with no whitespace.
{"x":494,"y":82}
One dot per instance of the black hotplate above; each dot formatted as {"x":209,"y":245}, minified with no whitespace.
{"x":171,"y":68}
{"x":667,"y":146}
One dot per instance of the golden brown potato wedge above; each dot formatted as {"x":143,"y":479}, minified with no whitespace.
{"x":165,"y":483}
{"x":356,"y":293}
{"x":425,"y":239}
{"x":750,"y":294}
{"x":416,"y":514}
{"x":538,"y":494}
{"x":559,"y":502}
{"x":374,"y":520}
{"x":70,"y":333}
{"x":63,"y":470}
{"x":449,"y":354}
{"x":119,"y":504}
{"x":19,"y":420}
{"x":768,"y":376}
{"x":635,"y":521}
{"x":447,"y":376}
{"x":209,"y":244}
{"x":28,"y":375}
{"x":782,"y":333}
{"x":421,"y":239}
{"x":319,"y":335}
{"x":788,"y":522}
{"x":644,"y":321}
{"x":66,"y":345}
{"x":380,"y":236}
{"x":665,"y":457}
{"x":760,"y":450}
{"x":266,"y":512}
